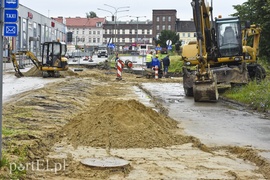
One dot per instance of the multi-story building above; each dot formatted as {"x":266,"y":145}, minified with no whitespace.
{"x":163,"y":19}
{"x":127,"y":34}
{"x":33,"y":29}
{"x":186,"y":31}
{"x":87,"y":33}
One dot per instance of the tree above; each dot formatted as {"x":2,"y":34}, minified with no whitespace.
{"x":91,"y":14}
{"x":167,"y":35}
{"x":257,"y":12}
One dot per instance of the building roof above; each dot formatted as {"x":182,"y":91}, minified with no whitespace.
{"x":129,"y":22}
{"x":185,"y":26}
{"x":80,"y":22}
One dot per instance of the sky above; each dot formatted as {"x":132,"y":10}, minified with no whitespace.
{"x":136,"y":8}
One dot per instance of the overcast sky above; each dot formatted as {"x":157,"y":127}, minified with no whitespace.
{"x":138,"y":8}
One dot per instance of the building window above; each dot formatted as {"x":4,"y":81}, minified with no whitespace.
{"x":169,"y":18}
{"x":157,"y":19}
{"x":163,"y":18}
{"x":94,"y":32}
{"x":77,"y":32}
{"x":163,"y":27}
{"x":157,"y":27}
{"x":188,"y":34}
{"x":98,"y":24}
{"x":98,"y":32}
{"x":89,"y":40}
{"x":90,"y":32}
{"x":94,"y":40}
{"x":83,"y":32}
{"x":169,"y":27}
{"x":98,"y":40}
{"x":184,"y":34}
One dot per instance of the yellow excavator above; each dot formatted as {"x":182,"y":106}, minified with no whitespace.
{"x":53,"y":59}
{"x":220,"y":57}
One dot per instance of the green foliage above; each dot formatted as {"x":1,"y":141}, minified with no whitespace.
{"x":9,"y":132}
{"x":257,"y":12}
{"x":255,"y":94}
{"x":176,"y":64}
{"x":4,"y":161}
{"x":167,"y":35}
{"x":7,"y":172}
{"x":91,"y":14}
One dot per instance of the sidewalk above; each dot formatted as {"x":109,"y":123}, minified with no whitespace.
{"x":7,"y":66}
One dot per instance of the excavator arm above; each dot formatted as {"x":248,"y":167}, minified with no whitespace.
{"x":15,"y":63}
{"x":205,"y":85}
{"x":253,"y":31}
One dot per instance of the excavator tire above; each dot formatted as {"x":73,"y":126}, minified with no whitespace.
{"x":206,"y":91}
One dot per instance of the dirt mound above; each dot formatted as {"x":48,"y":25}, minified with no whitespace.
{"x":35,"y":72}
{"x":122,"y":124}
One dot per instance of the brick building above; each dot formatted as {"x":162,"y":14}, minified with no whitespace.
{"x":163,"y":19}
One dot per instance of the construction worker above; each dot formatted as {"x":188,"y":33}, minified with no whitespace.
{"x":149,"y":59}
{"x":166,"y":64}
{"x":155,"y":62}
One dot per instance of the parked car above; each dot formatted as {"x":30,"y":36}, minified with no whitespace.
{"x":102,"y":52}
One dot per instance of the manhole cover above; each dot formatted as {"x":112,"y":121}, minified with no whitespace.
{"x":105,"y":162}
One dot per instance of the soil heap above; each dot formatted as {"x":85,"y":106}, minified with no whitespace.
{"x":122,"y":124}
{"x":35,"y":72}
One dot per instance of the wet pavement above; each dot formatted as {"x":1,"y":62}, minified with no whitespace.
{"x":214,"y":123}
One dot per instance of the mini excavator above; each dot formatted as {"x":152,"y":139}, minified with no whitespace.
{"x":53,"y":59}
{"x":220,"y":57}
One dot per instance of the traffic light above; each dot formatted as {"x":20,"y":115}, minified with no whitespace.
{"x":69,"y":36}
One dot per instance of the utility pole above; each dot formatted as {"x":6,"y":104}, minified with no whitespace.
{"x":114,"y":15}
{"x":1,"y":72}
{"x":137,"y":17}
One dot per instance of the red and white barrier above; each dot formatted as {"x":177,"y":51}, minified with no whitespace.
{"x":120,"y":66}
{"x":156,"y":72}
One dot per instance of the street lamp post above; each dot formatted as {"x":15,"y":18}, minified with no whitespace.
{"x":117,"y":24}
{"x":114,"y":15}
{"x":137,"y":27}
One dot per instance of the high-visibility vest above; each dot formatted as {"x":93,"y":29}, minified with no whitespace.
{"x":148,"y":57}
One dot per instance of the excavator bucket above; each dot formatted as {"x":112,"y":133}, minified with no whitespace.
{"x":205,"y":91}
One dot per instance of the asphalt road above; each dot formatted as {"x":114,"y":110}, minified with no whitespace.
{"x":217,"y":123}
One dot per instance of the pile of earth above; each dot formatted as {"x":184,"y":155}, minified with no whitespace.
{"x":122,"y":124}
{"x":35,"y":72}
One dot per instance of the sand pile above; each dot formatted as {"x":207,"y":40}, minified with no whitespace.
{"x":122,"y":124}
{"x":35,"y":72}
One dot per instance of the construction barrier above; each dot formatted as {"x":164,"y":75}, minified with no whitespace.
{"x":156,"y":72}
{"x":120,"y":66}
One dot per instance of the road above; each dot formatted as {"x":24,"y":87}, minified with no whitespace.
{"x":214,"y":123}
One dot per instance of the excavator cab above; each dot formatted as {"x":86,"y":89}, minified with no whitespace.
{"x":53,"y":58}
{"x":229,"y":38}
